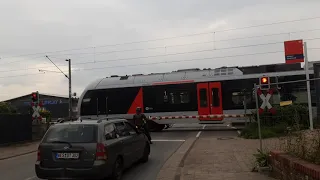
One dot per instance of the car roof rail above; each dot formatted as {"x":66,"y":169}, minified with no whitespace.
{"x":108,"y":119}
{"x":103,"y":119}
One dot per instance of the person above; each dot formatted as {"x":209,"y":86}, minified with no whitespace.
{"x":140,"y":121}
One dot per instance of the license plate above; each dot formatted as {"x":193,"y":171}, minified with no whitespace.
{"x":67,"y":155}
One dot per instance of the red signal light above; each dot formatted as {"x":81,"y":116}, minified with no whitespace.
{"x":264,"y":80}
{"x":34,"y":96}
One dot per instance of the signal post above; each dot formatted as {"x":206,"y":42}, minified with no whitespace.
{"x":36,"y":105}
{"x":265,"y":92}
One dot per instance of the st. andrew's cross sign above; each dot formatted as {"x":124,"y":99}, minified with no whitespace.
{"x":265,"y":101}
{"x":36,"y":111}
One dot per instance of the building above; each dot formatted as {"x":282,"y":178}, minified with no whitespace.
{"x":57,"y":105}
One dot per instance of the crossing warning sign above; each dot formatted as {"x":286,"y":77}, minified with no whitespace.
{"x":265,"y":101}
{"x":36,"y":111}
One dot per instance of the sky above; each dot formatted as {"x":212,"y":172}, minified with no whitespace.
{"x":124,"y":37}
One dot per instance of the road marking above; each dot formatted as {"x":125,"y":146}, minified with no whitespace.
{"x":168,"y":140}
{"x":198,"y":135}
{"x":33,"y":177}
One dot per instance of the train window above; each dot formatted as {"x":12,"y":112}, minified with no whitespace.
{"x":184,"y":97}
{"x":215,"y":97}
{"x":179,"y":97}
{"x":165,"y":96}
{"x":124,"y":77}
{"x":203,"y":98}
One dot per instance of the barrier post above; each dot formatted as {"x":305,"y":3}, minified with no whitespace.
{"x":258,"y":115}
{"x":245,"y":110}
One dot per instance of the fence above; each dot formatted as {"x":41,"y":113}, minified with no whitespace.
{"x":15,"y":128}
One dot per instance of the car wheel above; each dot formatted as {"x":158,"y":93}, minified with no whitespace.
{"x":146,"y":153}
{"x":117,"y":169}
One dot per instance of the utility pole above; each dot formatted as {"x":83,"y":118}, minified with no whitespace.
{"x":69,"y":78}
{"x":70,"y":94}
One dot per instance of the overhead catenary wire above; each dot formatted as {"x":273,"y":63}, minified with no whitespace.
{"x":161,"y":55}
{"x":159,"y":62}
{"x":20,"y":75}
{"x":176,"y":61}
{"x":173,"y":37}
{"x":161,"y":47}
{"x":188,"y":52}
{"x":57,"y":67}
{"x":186,"y":44}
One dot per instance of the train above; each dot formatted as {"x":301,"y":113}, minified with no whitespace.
{"x":185,"y":92}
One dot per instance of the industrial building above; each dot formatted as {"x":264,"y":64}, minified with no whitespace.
{"x":56,"y":104}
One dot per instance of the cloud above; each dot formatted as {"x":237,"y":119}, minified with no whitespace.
{"x":30,"y":27}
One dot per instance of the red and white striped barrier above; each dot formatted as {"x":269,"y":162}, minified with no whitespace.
{"x":200,"y":116}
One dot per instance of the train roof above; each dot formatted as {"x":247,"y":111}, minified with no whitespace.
{"x":197,"y":75}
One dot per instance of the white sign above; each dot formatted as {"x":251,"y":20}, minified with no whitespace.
{"x":36,"y":111}
{"x":265,"y":101}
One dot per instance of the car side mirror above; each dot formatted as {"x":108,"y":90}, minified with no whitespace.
{"x":139,"y":131}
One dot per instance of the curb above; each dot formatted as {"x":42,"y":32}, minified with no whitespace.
{"x":17,"y":155}
{"x":171,"y":170}
{"x":19,"y":143}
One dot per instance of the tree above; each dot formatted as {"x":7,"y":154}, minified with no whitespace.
{"x":5,"y":108}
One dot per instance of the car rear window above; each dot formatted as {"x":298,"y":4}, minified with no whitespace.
{"x":73,"y":133}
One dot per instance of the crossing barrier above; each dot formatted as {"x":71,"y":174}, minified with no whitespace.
{"x":200,"y":116}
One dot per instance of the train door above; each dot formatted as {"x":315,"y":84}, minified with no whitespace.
{"x":209,"y":99}
{"x":203,"y":99}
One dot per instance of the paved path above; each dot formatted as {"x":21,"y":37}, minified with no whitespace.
{"x":212,"y":158}
{"x":18,"y":149}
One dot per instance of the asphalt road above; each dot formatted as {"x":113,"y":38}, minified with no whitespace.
{"x":165,"y":144}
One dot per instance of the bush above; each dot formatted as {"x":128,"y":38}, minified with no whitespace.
{"x":291,"y":115}
{"x":294,"y":117}
{"x":5,"y":108}
{"x":45,"y":114}
{"x":252,"y":132}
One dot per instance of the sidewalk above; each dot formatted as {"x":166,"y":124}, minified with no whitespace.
{"x":18,"y":150}
{"x":228,"y":159}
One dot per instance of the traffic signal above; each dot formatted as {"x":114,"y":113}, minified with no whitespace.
{"x":264,"y":82}
{"x":35,"y":97}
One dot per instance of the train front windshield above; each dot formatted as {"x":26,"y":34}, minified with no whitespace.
{"x":115,"y":101}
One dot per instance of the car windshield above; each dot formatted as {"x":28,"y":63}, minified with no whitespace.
{"x":72,"y":133}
